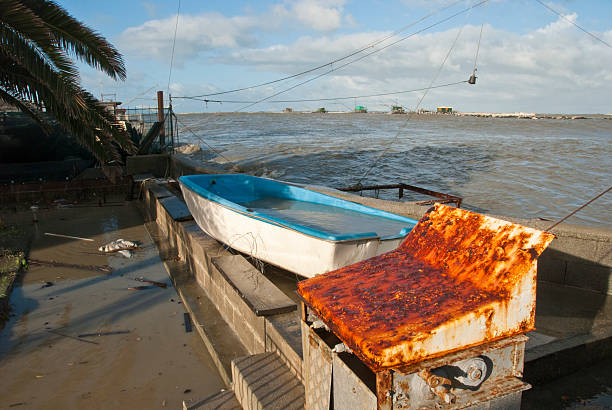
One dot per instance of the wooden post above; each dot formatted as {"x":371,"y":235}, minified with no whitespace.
{"x":160,"y":117}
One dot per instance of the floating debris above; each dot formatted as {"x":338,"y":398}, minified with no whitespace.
{"x":99,"y":268}
{"x":55,"y":332}
{"x":187,"y":319}
{"x":115,"y":332}
{"x":68,"y":237}
{"x":140,"y":287}
{"x":152,"y":282}
{"x":126,"y":253}
{"x":118,"y":245}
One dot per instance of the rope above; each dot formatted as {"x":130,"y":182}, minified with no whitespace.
{"x":364,"y":56}
{"x":137,"y":97}
{"x":173,"y":45}
{"x":351,"y":54}
{"x":322,"y":99}
{"x":388,"y":145}
{"x":204,"y":142}
{"x":579,"y":208}
{"x":450,"y":50}
{"x":570,"y":21}
{"x":484,"y":15}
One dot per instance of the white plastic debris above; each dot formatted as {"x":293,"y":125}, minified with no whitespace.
{"x":118,"y":245}
{"x":317,"y":324}
{"x":341,"y":347}
{"x":126,"y":252}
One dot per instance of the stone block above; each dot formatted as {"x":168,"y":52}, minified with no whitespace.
{"x":551,"y":269}
{"x":159,"y":191}
{"x":262,"y":381}
{"x":588,"y":276}
{"x":176,"y":208}
{"x":224,"y":400}
{"x":283,"y":337}
{"x":257,"y":291}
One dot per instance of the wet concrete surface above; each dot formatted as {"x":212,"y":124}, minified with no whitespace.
{"x":590,"y":388}
{"x":563,"y":312}
{"x":145,"y":360}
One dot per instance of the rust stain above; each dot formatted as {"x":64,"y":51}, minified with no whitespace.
{"x":455,"y":267}
{"x":384,"y":385}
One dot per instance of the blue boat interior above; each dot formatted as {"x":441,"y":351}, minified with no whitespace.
{"x":312,"y":213}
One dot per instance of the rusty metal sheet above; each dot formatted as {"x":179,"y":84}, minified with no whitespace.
{"x":459,"y":279}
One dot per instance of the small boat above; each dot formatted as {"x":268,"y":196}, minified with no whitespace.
{"x":294,"y":228}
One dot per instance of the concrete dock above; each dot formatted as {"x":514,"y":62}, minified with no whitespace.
{"x":80,"y":338}
{"x":245,"y":350}
{"x":573,"y":322}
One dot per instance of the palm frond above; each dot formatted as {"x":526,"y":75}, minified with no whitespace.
{"x":27,"y":108}
{"x":83,"y":42}
{"x":36,"y":37}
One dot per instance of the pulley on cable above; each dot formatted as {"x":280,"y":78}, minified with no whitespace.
{"x":472,"y":79}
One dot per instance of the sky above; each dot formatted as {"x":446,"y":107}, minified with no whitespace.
{"x":529,"y":60}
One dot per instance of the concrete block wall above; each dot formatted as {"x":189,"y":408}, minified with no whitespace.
{"x":580,"y":256}
{"x":258,"y":334}
{"x":156,"y":164}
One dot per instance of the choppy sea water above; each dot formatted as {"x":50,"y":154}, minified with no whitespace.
{"x":524,"y":168}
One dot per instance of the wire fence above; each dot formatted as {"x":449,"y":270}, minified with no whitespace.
{"x":142,"y":119}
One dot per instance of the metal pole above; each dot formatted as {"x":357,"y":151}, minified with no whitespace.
{"x":160,"y":117}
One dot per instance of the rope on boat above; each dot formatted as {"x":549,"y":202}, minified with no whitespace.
{"x":580,"y":208}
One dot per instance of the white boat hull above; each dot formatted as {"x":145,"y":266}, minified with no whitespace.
{"x":281,"y":246}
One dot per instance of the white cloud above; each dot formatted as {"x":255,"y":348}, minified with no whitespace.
{"x":150,"y":8}
{"x":318,"y":14}
{"x":547,"y":69}
{"x":552,"y":68}
{"x":195,"y":34}
{"x":210,"y":31}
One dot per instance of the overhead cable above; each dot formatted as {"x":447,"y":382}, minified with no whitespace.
{"x":399,"y":131}
{"x":579,"y":208}
{"x":364,"y":56}
{"x":326,"y":98}
{"x":178,"y":11}
{"x":570,"y":21}
{"x":351,"y":54}
{"x":484,"y":15}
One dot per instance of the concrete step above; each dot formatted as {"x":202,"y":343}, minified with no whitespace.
{"x":224,"y":400}
{"x":218,"y":336}
{"x":262,"y":381}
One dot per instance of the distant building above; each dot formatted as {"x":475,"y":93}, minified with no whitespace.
{"x":288,"y":109}
{"x":361,"y":108}
{"x":445,"y":110}
{"x":398,"y":109}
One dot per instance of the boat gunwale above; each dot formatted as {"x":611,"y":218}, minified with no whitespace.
{"x":188,"y":182}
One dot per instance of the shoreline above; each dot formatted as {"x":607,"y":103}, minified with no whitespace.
{"x":514,"y":115}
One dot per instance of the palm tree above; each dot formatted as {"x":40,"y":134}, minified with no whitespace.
{"x":37,"y":40}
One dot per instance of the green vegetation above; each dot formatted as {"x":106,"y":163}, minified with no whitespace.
{"x":13,"y":244}
{"x":37,"y":40}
